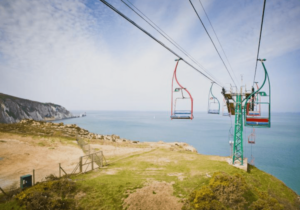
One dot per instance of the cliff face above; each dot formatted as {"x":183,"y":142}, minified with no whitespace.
{"x":13,"y":109}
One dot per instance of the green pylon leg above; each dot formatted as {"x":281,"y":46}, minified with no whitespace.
{"x":238,"y":154}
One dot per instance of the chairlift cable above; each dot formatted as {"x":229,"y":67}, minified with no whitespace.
{"x":212,"y":42}
{"x":165,"y":35}
{"x":143,"y":30}
{"x":218,"y":40}
{"x":261,"y":27}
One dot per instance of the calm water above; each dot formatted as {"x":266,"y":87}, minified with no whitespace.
{"x":276,"y":150}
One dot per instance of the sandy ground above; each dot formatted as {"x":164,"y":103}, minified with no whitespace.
{"x":19,"y":156}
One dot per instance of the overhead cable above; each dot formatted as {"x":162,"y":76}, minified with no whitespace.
{"x":164,"y":34}
{"x":217,"y":39}
{"x":136,"y":25}
{"x":261,"y":26}
{"x":212,"y":41}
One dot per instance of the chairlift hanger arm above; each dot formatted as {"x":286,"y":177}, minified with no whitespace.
{"x":214,"y":98}
{"x":174,"y":114}
{"x":266,"y":76}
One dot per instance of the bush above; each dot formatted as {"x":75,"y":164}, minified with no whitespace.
{"x":54,"y":194}
{"x":226,"y":191}
{"x":265,"y":202}
{"x":204,"y":199}
{"x":229,"y":189}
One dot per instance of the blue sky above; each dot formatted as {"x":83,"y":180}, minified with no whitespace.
{"x":82,"y":55}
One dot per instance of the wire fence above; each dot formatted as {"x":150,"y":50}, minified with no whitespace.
{"x":86,"y":163}
{"x":90,"y":161}
{"x":84,"y":146}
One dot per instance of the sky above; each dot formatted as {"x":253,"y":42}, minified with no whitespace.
{"x":82,"y":55}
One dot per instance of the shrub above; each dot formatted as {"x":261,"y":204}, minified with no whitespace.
{"x":265,"y":202}
{"x":203,"y":199}
{"x":54,"y":194}
{"x":226,"y":191}
{"x":229,"y":189}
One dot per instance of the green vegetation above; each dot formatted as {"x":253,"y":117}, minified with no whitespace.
{"x":232,"y":188}
{"x":13,"y":98}
{"x":13,"y":204}
{"x":200,"y":181}
{"x":230,"y":191}
{"x":53,"y":194}
{"x":41,"y":128}
{"x":42,"y":144}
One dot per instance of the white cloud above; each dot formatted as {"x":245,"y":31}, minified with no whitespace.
{"x":82,"y":55}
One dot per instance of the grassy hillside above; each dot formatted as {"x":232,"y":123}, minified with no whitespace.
{"x":162,"y":178}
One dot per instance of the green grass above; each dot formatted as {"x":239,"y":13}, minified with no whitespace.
{"x":42,"y":144}
{"x":105,"y":191}
{"x":108,"y":190}
{"x":11,"y":205}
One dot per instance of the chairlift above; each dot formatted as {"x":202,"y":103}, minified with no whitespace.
{"x":213,"y":102}
{"x":251,"y":137}
{"x":175,"y":113}
{"x":264,"y":119}
{"x":230,"y":103}
{"x":225,"y":109}
{"x":254,"y":109}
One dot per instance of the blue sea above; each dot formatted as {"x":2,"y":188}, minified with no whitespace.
{"x":276,"y":149}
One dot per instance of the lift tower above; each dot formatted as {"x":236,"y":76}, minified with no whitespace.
{"x":241,"y":104}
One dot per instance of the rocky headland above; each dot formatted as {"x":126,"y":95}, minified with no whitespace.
{"x":14,"y":109}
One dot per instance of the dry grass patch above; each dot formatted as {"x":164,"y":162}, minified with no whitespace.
{"x":157,"y":195}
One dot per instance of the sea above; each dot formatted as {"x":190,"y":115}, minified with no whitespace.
{"x":276,"y":149}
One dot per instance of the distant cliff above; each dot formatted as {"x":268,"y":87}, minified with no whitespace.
{"x":13,"y":109}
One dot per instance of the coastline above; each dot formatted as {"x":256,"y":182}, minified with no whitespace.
{"x":135,"y":174}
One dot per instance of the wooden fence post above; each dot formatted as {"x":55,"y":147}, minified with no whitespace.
{"x":80,"y":164}
{"x":101,"y":159}
{"x":3,"y":191}
{"x":59,"y":171}
{"x":92,"y":161}
{"x":33,"y":177}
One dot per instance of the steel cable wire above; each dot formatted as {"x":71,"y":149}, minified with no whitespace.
{"x":212,"y":42}
{"x":136,"y":25}
{"x":218,"y":39}
{"x":261,"y":26}
{"x":164,"y":34}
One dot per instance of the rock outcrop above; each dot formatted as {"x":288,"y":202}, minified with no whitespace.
{"x":13,"y":109}
{"x":73,"y":131}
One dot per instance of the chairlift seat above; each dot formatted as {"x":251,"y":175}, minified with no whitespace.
{"x":181,"y":117}
{"x":213,"y":111}
{"x":182,"y":112}
{"x":253,"y":118}
{"x":254,"y":113}
{"x":257,"y":121}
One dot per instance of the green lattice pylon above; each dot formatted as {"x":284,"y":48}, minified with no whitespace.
{"x":238,"y":154}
